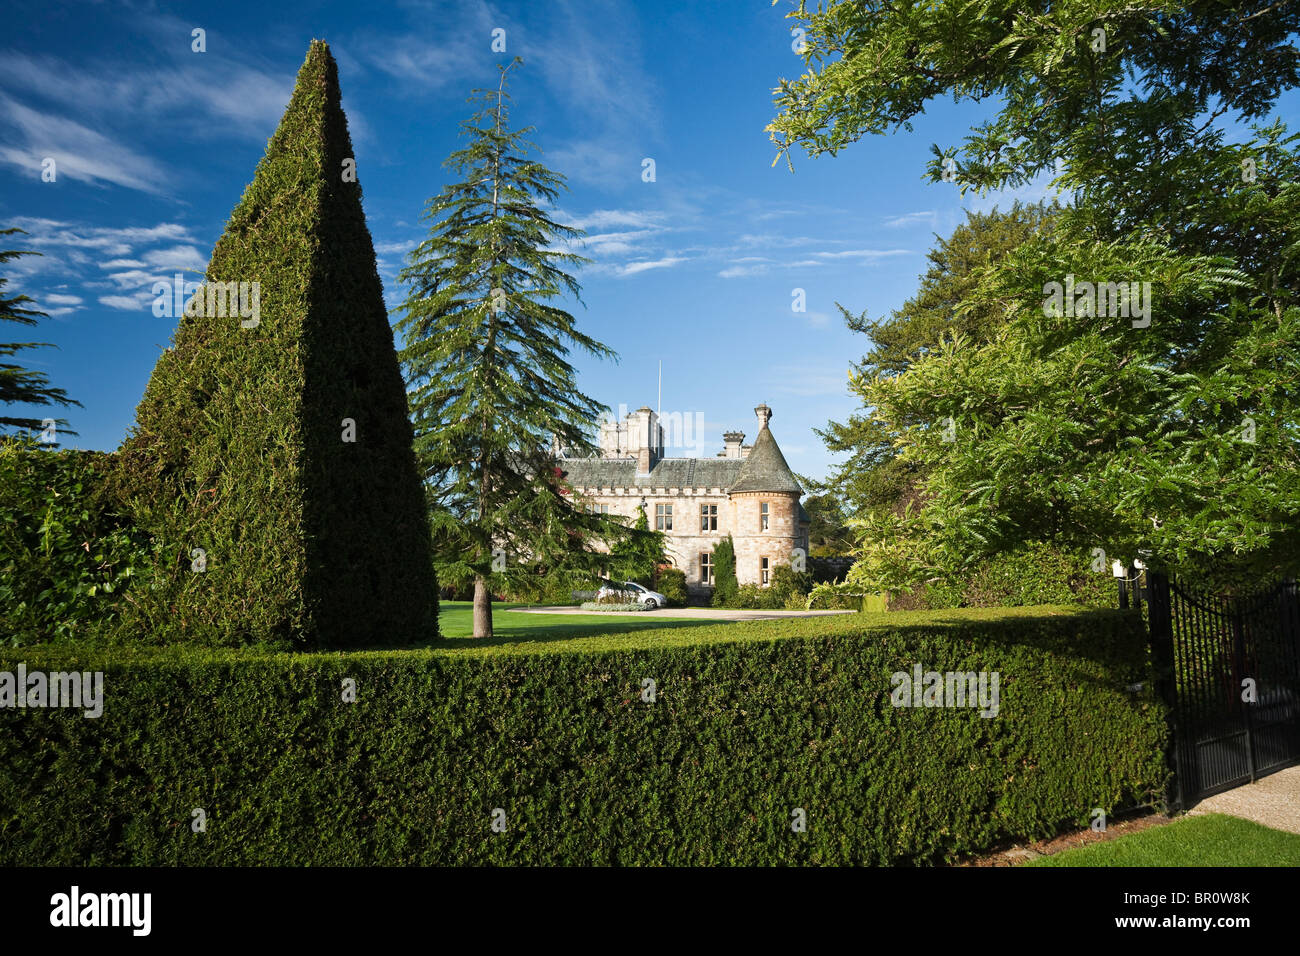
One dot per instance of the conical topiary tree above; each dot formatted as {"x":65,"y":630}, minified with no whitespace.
{"x":271,"y":457}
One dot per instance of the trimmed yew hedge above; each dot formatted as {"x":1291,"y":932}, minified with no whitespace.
{"x":282,"y":451}
{"x":750,"y":721}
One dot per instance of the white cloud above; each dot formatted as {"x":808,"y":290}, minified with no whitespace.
{"x":141,"y":256}
{"x":605,"y":162}
{"x":127,"y":303}
{"x":389,"y":248}
{"x":910,"y":218}
{"x":605,"y":218}
{"x":132,"y":279}
{"x":177,"y":257}
{"x":863,"y":254}
{"x":117,"y":242}
{"x":632,"y":268}
{"x":79,"y":153}
{"x":195,"y":92}
{"x":428,"y":65}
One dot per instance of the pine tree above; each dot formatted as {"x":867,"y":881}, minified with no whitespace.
{"x":19,"y":385}
{"x":490,"y":388}
{"x":272,"y":459}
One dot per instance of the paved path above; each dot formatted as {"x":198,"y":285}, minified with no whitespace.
{"x":698,"y":613}
{"x":1273,"y":801}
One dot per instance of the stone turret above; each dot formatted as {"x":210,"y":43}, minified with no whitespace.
{"x":765,"y":507}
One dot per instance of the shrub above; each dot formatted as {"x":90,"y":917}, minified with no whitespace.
{"x":409,"y":774}
{"x":784,"y":591}
{"x":672,"y":585}
{"x":1038,"y":574}
{"x":725,"y":584}
{"x":747,"y":597}
{"x":67,"y":554}
{"x":788,"y":583}
{"x":796,"y":602}
{"x":241,"y":441}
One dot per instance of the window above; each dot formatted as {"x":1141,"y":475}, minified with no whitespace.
{"x":708,"y":517}
{"x":598,"y":509}
{"x":663,"y":517}
{"x":762,"y":517}
{"x":706,"y":569}
{"x":764,"y":572}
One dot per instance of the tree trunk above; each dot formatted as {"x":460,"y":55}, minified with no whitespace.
{"x":482,"y":608}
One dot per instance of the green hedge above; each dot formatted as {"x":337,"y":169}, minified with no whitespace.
{"x":1037,"y":574}
{"x":750,"y":722}
{"x":67,"y":553}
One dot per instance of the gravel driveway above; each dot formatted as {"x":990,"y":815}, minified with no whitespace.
{"x":1273,"y":801}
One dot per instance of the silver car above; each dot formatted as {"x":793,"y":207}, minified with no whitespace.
{"x":637,"y":594}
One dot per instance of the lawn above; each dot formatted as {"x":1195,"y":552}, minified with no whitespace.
{"x":1210,"y":840}
{"x":456,"y":620}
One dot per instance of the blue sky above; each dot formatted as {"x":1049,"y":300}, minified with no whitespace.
{"x":154,"y":144}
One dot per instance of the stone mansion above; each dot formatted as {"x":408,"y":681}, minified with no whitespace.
{"x":747,"y":491}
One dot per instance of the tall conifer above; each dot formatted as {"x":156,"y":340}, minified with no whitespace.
{"x":486,"y":360}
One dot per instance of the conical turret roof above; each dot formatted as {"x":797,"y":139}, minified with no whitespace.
{"x":765,"y":468}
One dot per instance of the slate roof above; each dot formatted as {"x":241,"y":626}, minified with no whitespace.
{"x":764,"y":470}
{"x":666,"y":473}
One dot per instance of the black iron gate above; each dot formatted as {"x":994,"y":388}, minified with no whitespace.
{"x":1215,"y":654}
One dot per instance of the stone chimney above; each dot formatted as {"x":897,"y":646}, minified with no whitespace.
{"x":764,"y":416}
{"x":733,"y":440}
{"x":646,"y":436}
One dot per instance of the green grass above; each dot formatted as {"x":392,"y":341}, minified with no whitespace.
{"x":1210,"y":840}
{"x":519,"y":633}
{"x":456,"y":621}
